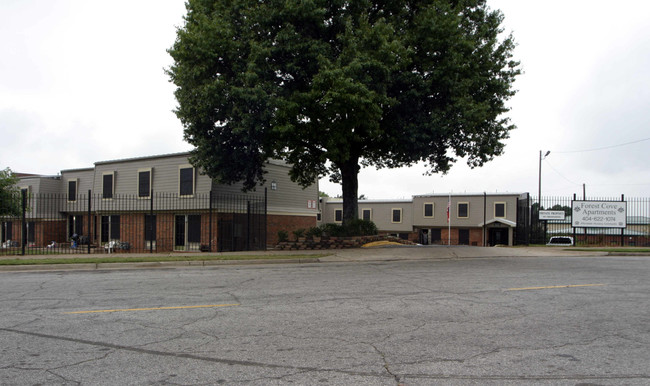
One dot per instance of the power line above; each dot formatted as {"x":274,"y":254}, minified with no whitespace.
{"x":602,"y":148}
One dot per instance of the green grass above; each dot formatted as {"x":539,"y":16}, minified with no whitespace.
{"x":154,"y":259}
{"x":597,"y":249}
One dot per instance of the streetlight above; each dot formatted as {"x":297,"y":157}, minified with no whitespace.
{"x":539,"y":192}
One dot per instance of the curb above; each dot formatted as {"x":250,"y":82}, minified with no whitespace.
{"x":147,"y":265}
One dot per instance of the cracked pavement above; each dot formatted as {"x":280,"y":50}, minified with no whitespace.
{"x":376,"y":323}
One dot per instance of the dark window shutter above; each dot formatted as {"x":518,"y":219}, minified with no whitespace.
{"x":115,"y":227}
{"x":194,"y":228}
{"x":149,"y":227}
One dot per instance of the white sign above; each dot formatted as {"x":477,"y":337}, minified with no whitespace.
{"x":551,"y":215}
{"x":599,"y":214}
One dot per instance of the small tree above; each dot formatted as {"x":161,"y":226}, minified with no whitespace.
{"x":9,"y":194}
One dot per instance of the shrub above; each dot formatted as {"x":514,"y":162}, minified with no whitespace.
{"x":299,"y":233}
{"x":314,"y":232}
{"x":360,"y":227}
{"x":283,"y":236}
{"x":356,"y":227}
{"x":334,"y":230}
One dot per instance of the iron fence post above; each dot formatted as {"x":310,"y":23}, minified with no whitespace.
{"x":23,"y":225}
{"x":151,"y":222}
{"x":89,"y":220}
{"x":210,"y":222}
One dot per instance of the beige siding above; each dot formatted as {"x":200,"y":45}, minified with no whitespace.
{"x":476,"y":213}
{"x":287,"y":198}
{"x":85,"y":180}
{"x":381,"y":213}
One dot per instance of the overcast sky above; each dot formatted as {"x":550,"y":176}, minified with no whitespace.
{"x":83,"y":81}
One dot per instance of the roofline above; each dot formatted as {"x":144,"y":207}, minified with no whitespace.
{"x":77,"y":170}
{"x":169,"y":155}
{"x":468,"y":194}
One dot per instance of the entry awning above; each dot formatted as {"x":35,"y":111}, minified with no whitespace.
{"x":509,"y":223}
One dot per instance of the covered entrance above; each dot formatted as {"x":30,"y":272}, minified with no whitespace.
{"x":499,"y":231}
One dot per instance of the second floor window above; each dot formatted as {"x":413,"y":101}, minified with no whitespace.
{"x":463,"y":209}
{"x":428,"y":209}
{"x":144,"y":183}
{"x":499,"y":209}
{"x":107,"y":185}
{"x":72,"y":190}
{"x":186,"y":181}
{"x":396,"y":216}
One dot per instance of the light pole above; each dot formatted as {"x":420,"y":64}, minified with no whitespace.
{"x":539,"y":192}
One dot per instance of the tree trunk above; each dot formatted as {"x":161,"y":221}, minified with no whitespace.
{"x":350,"y":186}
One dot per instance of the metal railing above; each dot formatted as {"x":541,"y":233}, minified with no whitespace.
{"x":636,"y":232}
{"x":161,"y":222}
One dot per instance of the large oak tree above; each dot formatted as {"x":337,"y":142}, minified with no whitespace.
{"x":333,"y":85}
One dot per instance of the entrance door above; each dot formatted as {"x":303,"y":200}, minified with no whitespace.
{"x":499,"y":236}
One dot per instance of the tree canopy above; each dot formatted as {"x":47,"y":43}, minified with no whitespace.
{"x":9,"y":198}
{"x":331,"y":86}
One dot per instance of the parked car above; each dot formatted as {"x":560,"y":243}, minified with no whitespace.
{"x":561,"y":240}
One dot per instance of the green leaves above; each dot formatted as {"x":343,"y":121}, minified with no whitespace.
{"x":327,"y":84}
{"x":10,"y":204}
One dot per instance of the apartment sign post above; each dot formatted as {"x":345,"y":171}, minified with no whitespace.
{"x":599,"y":214}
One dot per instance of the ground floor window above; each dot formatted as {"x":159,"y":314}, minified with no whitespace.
{"x":187,"y":231}
{"x":463,"y":236}
{"x":110,"y":228}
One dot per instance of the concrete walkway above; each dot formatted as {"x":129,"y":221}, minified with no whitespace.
{"x":386,"y":253}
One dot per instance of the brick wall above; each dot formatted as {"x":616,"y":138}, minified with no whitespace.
{"x":276,"y":223}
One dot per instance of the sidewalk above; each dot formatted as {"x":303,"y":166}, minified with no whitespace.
{"x":387,"y":253}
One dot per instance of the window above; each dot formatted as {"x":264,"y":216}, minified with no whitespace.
{"x":499,"y":209}
{"x":338,"y":215}
{"x":463,"y":236}
{"x":366,"y":214}
{"x":186,"y":181}
{"x":7,"y":231}
{"x":108,"y":186}
{"x":396,"y":215}
{"x":428,"y":209}
{"x":110,"y":228}
{"x":436,"y":235}
{"x":75,"y":225}
{"x":463,"y":209}
{"x":144,"y":183}
{"x":72,"y":190}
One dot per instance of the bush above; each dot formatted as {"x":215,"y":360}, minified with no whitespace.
{"x":299,"y":233}
{"x":314,"y":232}
{"x":360,"y":227}
{"x":356,"y":227}
{"x":283,"y":236}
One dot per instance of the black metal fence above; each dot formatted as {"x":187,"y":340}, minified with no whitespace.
{"x":52,"y":224}
{"x":636,"y":232}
